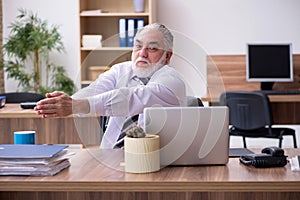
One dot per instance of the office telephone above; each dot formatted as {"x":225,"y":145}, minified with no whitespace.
{"x":269,"y":157}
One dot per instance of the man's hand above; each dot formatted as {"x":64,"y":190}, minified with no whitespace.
{"x":56,"y":104}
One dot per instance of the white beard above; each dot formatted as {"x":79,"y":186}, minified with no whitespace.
{"x":144,"y":72}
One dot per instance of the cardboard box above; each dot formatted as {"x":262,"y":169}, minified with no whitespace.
{"x":95,"y":71}
{"x":92,"y":41}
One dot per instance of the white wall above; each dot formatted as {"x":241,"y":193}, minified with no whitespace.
{"x":204,"y":26}
{"x":224,"y":27}
{"x":60,"y":12}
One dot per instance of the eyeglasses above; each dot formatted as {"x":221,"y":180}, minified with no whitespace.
{"x":151,"y":47}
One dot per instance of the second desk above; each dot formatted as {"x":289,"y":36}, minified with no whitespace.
{"x":285,"y":108}
{"x":67,"y":130}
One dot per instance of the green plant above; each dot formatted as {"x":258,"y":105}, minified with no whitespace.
{"x":27,"y":51}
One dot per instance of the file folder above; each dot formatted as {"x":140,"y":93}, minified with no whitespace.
{"x":122,"y":32}
{"x":29,"y":151}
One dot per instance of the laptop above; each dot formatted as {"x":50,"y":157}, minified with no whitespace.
{"x":190,"y":135}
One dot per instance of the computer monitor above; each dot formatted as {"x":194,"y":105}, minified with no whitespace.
{"x":269,"y":63}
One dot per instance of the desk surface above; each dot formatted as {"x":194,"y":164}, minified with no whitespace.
{"x":86,"y":173}
{"x":15,"y":111}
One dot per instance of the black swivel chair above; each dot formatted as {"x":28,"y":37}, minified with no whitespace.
{"x":251,"y":116}
{"x":19,"y":97}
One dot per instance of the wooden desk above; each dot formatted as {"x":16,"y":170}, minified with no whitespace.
{"x":88,"y":178}
{"x":286,"y":108}
{"x":68,"y":130}
{"x":272,"y":98}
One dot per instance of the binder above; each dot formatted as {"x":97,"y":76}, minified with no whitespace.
{"x":140,"y":23}
{"x":130,"y":31}
{"x":127,"y":30}
{"x":122,"y":32}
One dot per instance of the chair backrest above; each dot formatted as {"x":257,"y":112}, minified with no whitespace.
{"x":247,"y":110}
{"x":194,"y":101}
{"x":19,"y":97}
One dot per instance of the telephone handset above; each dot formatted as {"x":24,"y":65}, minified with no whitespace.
{"x":269,"y":157}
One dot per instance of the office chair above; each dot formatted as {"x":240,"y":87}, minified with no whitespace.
{"x":250,"y":115}
{"x":19,"y":97}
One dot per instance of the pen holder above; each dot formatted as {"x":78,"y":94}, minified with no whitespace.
{"x":24,"y":137}
{"x":142,"y":154}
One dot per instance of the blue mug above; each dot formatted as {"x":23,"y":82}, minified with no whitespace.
{"x":24,"y":137}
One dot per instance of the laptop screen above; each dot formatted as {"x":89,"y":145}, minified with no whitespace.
{"x":190,"y":135}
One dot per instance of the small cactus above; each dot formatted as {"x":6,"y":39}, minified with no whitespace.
{"x":136,"y":132}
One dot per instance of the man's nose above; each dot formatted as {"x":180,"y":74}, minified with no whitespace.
{"x":144,"y":52}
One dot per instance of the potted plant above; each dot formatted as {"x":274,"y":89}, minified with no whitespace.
{"x":27,"y":51}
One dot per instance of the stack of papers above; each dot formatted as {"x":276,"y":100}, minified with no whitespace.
{"x":92,"y":41}
{"x":35,"y":160}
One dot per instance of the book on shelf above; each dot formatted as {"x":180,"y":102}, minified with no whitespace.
{"x":34,"y":160}
{"x":91,"y":12}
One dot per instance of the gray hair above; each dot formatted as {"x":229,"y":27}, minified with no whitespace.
{"x":168,"y":37}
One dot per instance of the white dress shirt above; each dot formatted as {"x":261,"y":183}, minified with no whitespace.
{"x":116,"y":93}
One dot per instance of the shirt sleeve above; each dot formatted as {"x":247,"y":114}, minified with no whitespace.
{"x":162,"y":90}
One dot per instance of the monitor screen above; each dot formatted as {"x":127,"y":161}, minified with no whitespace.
{"x":269,"y":63}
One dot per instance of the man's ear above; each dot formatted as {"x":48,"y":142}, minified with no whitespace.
{"x":168,"y":56}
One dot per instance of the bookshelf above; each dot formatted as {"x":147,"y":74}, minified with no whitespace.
{"x":106,"y":23}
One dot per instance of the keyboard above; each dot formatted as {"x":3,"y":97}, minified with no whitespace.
{"x":280,"y":92}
